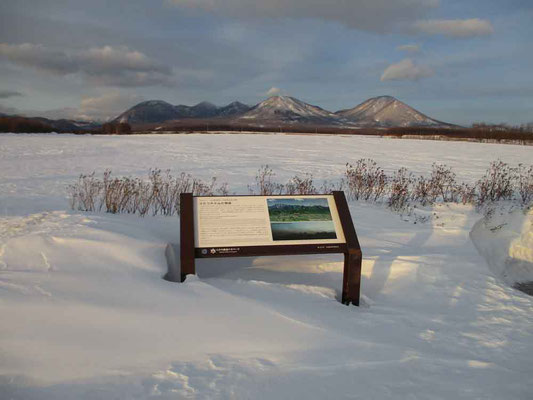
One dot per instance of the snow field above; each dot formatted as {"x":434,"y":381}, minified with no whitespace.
{"x":86,"y":314}
{"x":37,"y":168}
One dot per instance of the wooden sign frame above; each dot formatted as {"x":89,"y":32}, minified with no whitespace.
{"x":351,"y":249}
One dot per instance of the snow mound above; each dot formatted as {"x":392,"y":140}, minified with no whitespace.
{"x":506,"y":243}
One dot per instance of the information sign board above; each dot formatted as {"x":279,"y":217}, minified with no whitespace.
{"x":265,"y":221}
{"x":239,"y":226}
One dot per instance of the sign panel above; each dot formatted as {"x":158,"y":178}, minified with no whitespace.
{"x":231,"y":221}
{"x":252,"y":226}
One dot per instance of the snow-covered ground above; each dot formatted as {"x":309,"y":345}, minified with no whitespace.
{"x":85,"y":313}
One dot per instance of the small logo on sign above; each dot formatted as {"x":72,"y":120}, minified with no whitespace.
{"x":204,"y":251}
{"x":213,"y":251}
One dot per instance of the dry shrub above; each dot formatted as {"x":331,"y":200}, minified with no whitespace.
{"x":84,"y":194}
{"x":525,"y":183}
{"x":442,"y":183}
{"x":159,"y":194}
{"x":264,"y":183}
{"x":422,"y":191}
{"x":329,"y":186}
{"x":399,"y":186}
{"x":497,"y":183}
{"x":266,"y":186}
{"x":365,"y":180}
{"x":297,"y":185}
{"x":465,"y":193}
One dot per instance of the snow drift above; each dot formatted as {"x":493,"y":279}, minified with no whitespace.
{"x":506,"y":243}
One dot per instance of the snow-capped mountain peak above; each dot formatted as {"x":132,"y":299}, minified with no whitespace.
{"x":203,"y":110}
{"x":205,"y":105}
{"x":289,"y":109}
{"x":149,"y":111}
{"x":233,"y":109}
{"x":387,"y":111}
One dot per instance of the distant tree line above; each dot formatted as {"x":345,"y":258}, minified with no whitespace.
{"x":18,"y":124}
{"x":23,"y":125}
{"x":116,"y":128}
{"x":527,"y":127}
{"x":475,"y":132}
{"x":478,"y":131}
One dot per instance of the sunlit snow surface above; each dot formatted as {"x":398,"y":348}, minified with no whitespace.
{"x":85,"y":313}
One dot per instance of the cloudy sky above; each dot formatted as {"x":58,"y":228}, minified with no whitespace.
{"x":455,"y":60}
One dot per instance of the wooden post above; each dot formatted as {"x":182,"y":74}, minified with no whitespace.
{"x":186,"y":236}
{"x":351,"y":280}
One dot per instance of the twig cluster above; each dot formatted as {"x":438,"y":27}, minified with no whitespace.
{"x":159,"y":194}
{"x":500,"y":182}
{"x":363,"y":180}
{"x":266,"y":186}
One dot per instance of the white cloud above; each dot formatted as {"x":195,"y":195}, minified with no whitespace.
{"x":373,"y":15}
{"x":5,"y":94}
{"x":406,"y":70}
{"x":107,"y":66}
{"x":409,"y":48}
{"x":57,"y":113}
{"x":38,"y":56}
{"x":98,"y":108}
{"x":106,"y":106}
{"x":458,"y":28}
{"x":8,"y":110}
{"x":273,"y":91}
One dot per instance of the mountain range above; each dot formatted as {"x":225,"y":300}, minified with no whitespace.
{"x":157,"y":111}
{"x":382,"y":111}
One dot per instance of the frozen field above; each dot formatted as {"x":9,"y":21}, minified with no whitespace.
{"x":36,"y":168}
{"x":86,"y":315}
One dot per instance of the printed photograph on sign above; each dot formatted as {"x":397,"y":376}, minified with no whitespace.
{"x":300,"y":219}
